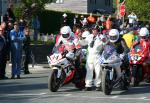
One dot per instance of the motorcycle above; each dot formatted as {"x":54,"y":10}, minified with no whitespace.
{"x":109,"y":60}
{"x":64,"y":71}
{"x":139,"y":71}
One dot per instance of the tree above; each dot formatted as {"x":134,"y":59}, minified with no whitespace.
{"x":140,"y":7}
{"x":29,"y":8}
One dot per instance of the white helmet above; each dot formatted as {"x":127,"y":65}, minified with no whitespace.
{"x":144,"y":32}
{"x":65,"y":32}
{"x":113,"y":35}
{"x":85,"y":34}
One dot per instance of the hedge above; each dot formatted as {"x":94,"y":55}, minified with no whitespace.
{"x":51,"y":21}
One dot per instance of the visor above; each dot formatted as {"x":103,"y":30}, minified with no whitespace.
{"x":113,"y":37}
{"x":65,"y":35}
{"x":144,"y":37}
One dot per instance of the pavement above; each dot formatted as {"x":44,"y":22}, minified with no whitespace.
{"x":74,"y":6}
{"x":32,"y":88}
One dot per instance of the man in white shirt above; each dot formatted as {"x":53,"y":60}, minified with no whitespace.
{"x":132,"y":18}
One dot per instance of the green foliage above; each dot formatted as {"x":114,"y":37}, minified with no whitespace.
{"x":18,"y":12}
{"x":140,"y":7}
{"x":51,"y":21}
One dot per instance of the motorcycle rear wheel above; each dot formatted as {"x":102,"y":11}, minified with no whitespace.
{"x":53,"y":82}
{"x":106,"y":82}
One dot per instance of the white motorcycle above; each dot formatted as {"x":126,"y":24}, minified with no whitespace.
{"x":109,"y":60}
{"x":64,"y":71}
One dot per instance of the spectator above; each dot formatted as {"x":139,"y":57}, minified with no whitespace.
{"x":22,"y":24}
{"x":6,"y":47}
{"x":2,"y":48}
{"x":91,"y":20}
{"x":36,"y":27}
{"x":27,"y":50}
{"x":10,"y":13}
{"x":76,"y":21}
{"x":102,"y":18}
{"x":132,"y":18}
{"x":17,"y":38}
{"x":109,"y":23}
{"x":64,"y":21}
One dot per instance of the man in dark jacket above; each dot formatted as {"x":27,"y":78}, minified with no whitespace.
{"x":6,"y":49}
{"x":2,"y":48}
{"x":27,"y":51}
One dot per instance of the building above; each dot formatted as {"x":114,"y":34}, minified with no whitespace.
{"x":100,"y":6}
{"x":3,"y":6}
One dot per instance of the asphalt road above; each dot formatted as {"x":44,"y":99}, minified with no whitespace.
{"x":32,"y":88}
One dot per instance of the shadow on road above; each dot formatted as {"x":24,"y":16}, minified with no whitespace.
{"x":12,"y":88}
{"x":141,"y":89}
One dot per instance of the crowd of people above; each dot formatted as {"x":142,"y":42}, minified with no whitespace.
{"x":14,"y":38}
{"x":94,"y":33}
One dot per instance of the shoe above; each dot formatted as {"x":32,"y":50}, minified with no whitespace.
{"x":12,"y":77}
{"x":88,"y":89}
{"x":98,"y":89}
{"x":27,"y":72}
{"x":18,"y":77}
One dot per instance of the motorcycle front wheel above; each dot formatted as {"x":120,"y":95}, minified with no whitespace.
{"x":53,"y":82}
{"x":106,"y":82}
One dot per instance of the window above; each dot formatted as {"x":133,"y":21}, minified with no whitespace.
{"x":107,"y":2}
{"x":93,"y":1}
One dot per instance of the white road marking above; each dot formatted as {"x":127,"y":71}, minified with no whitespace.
{"x":76,"y":96}
{"x":115,"y":97}
{"x":143,"y":97}
{"x":68,"y":94}
{"x":27,"y":94}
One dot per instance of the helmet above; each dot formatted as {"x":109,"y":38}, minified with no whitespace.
{"x":113,"y":35}
{"x":65,"y":31}
{"x":144,"y":32}
{"x":85,"y":34}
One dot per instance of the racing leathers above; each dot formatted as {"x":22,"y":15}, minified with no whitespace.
{"x":70,"y":44}
{"x":145,"y":51}
{"x":122,"y":50}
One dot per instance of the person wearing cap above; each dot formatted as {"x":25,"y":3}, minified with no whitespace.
{"x":95,"y":46}
{"x":17,"y":38}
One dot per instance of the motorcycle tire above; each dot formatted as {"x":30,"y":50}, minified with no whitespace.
{"x":135,"y":76}
{"x":125,"y":81}
{"x":53,"y":82}
{"x":135,"y":82}
{"x":106,"y":82}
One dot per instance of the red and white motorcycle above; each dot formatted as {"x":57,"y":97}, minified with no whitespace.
{"x":63,"y":71}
